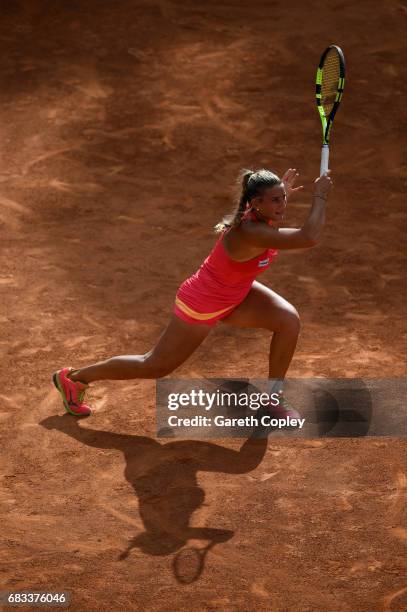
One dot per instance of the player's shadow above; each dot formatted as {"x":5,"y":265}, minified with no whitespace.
{"x":164,"y":478}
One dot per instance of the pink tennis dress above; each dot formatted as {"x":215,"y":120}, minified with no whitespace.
{"x":219,"y":285}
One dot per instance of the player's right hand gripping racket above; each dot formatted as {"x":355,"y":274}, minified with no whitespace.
{"x":330,"y":83}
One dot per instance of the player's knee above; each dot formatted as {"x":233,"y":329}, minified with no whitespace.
{"x":156,"y":368}
{"x":291,"y":321}
{"x":287,"y":320}
{"x":162,"y":370}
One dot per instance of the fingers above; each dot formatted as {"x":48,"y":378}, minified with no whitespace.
{"x":291,"y":174}
{"x":326,"y":175}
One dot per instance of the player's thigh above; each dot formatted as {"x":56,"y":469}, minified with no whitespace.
{"x":177,"y":342}
{"x":264,"y":308}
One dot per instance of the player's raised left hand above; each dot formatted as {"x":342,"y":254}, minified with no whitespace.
{"x":289,"y":178}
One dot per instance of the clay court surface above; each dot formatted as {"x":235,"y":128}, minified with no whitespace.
{"x":123,"y":127}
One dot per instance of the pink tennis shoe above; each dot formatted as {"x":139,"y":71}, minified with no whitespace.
{"x":284,"y":409}
{"x":72,"y":392}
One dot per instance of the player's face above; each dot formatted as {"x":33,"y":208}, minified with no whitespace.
{"x":272,"y":203}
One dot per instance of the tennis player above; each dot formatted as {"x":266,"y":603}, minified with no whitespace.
{"x":224,"y":289}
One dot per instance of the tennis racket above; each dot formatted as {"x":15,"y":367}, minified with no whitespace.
{"x":330,"y":83}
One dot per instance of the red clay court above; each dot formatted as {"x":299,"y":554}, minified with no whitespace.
{"x":123,"y":127}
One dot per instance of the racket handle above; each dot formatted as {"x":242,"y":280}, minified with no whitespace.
{"x":324,"y":159}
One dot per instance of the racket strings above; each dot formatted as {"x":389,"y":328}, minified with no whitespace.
{"x":330,"y":81}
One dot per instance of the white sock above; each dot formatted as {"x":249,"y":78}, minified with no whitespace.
{"x":74,"y":372}
{"x":275,"y":385}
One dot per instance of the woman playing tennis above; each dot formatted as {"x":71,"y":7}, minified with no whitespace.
{"x":224,"y":289}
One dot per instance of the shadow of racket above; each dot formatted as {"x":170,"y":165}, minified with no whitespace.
{"x":189,"y":562}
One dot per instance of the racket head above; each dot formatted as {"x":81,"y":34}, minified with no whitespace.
{"x":329,"y":86}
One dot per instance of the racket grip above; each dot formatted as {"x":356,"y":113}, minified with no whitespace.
{"x":324,"y":159}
